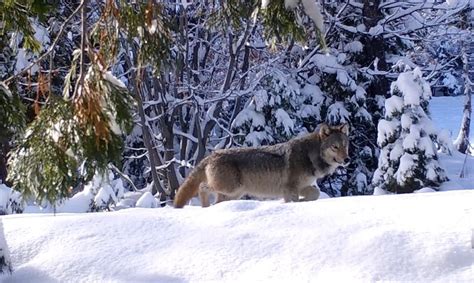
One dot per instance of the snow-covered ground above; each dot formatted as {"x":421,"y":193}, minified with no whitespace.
{"x":421,"y":237}
{"x":460,"y":171}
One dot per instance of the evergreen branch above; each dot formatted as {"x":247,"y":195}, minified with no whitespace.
{"x":50,"y":49}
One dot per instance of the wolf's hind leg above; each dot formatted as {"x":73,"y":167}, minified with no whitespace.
{"x":204,"y":195}
{"x":309,"y":193}
{"x":224,"y":178}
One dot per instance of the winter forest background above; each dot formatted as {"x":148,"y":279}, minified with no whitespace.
{"x":105,"y":99}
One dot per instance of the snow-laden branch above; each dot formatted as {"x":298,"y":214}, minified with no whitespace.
{"x":400,"y":13}
{"x":173,"y":161}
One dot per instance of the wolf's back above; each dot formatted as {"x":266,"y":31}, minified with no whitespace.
{"x":190,"y":187}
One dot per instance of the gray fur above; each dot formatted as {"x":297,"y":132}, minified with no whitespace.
{"x":285,"y":170}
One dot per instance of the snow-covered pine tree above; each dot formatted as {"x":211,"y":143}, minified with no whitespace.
{"x":441,"y":54}
{"x":408,"y":160}
{"x":279,"y":110}
{"x":346,"y":102}
{"x":440,"y":50}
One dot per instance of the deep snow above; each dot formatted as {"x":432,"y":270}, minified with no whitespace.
{"x":421,"y":237}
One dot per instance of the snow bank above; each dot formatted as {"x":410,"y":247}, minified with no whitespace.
{"x":416,"y":237}
{"x":5,"y":262}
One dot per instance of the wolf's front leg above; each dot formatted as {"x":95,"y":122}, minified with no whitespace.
{"x":309,"y":193}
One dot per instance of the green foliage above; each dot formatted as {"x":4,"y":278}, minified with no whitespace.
{"x":280,"y":22}
{"x":68,"y":134}
{"x":234,"y":13}
{"x":79,"y":133}
{"x":12,"y":112}
{"x":103,"y":112}
{"x":15,"y":17}
{"x":41,"y":166}
{"x":150,"y":23}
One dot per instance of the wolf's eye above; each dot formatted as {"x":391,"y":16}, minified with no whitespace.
{"x":335,"y":147}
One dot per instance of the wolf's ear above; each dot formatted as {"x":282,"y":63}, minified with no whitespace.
{"x":324,"y":130}
{"x":344,"y":128}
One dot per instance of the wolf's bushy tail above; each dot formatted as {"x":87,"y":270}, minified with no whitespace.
{"x":190,"y":187}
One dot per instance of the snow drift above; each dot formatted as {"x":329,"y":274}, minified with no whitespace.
{"x":420,"y":237}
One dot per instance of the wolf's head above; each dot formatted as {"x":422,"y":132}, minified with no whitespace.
{"x":335,"y":144}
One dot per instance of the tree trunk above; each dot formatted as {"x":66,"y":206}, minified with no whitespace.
{"x":4,"y":148}
{"x":218,"y":108}
{"x":152,"y":155}
{"x":462,"y":141}
{"x":374,"y":48}
{"x":165,"y":124}
{"x":148,"y":141}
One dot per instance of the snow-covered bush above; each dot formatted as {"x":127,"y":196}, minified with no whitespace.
{"x":108,"y":194}
{"x":109,"y":191}
{"x":445,"y":142}
{"x":408,"y":160}
{"x":10,"y":201}
{"x":147,"y":200}
{"x":102,"y":193}
{"x":278,"y":110}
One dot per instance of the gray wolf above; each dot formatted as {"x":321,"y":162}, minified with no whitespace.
{"x":285,"y":170}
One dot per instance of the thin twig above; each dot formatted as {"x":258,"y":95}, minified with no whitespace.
{"x":112,"y":166}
